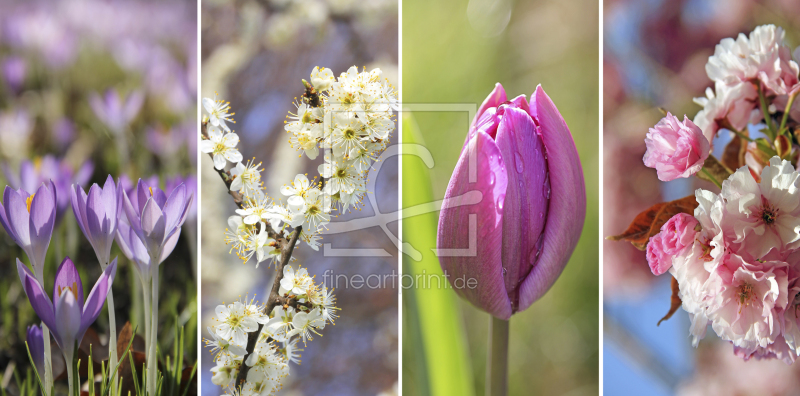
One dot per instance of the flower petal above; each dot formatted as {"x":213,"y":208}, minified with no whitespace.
{"x":42,"y":221}
{"x":68,"y":322}
{"x":495,"y":98}
{"x":97,"y":297}
{"x":153,"y":226}
{"x":455,"y":231}
{"x":67,"y":277}
{"x":39,"y":300}
{"x":567,"y":208}
{"x":527,"y":196}
{"x":18,"y":217}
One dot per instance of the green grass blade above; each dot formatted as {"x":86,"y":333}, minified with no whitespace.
{"x":33,"y":364}
{"x":116,"y":366}
{"x":133,"y":372}
{"x":191,"y":377}
{"x":432,"y":313}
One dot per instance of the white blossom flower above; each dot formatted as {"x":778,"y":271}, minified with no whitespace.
{"x":222,"y":146}
{"x":339,"y":175}
{"x":220,"y":346}
{"x":317,"y":209}
{"x":226,"y":370}
{"x":295,"y":282}
{"x":290,"y":351}
{"x":298,"y":187}
{"x":322,"y":78}
{"x":235,"y":321}
{"x":247,"y":178}
{"x":218,"y":115}
{"x":281,"y":323}
{"x":306,"y":324}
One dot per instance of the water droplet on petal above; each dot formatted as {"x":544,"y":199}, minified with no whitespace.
{"x":518,"y":162}
{"x":504,"y":271}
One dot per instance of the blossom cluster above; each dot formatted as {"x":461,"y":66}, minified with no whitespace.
{"x":736,"y":258}
{"x":350,"y":117}
{"x":307,"y":308}
{"x":755,"y":81}
{"x":737,"y":261}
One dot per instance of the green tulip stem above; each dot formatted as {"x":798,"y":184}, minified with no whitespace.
{"x":497,"y":358}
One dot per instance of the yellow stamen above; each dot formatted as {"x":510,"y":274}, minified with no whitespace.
{"x":151,"y":191}
{"x":73,"y":289}
{"x":28,"y":202}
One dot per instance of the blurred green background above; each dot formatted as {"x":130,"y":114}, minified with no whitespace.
{"x":454,"y":52}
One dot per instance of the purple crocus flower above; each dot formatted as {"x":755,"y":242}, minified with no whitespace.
{"x":35,"y":341}
{"x":156,"y":219}
{"x":532,"y":207}
{"x":114,"y":111}
{"x":14,"y":71}
{"x":29,"y":220}
{"x":67,"y":316}
{"x":33,"y":173}
{"x":97,"y":214}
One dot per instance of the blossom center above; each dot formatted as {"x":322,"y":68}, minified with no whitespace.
{"x":769,"y":214}
{"x":746,"y":295}
{"x":29,"y":201}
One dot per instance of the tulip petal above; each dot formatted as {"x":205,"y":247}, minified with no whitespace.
{"x":67,"y":277}
{"x":495,"y":98}
{"x":527,"y":196}
{"x":97,"y":297}
{"x":567,"y":209}
{"x":454,"y":231}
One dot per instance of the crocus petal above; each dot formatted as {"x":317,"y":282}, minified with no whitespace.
{"x":491,"y":182}
{"x":97,"y":297}
{"x":23,"y":271}
{"x":133,"y":248}
{"x":39,"y":300}
{"x":567,"y":211}
{"x":527,"y":196}
{"x":100,"y":224}
{"x":133,"y":216}
{"x":18,"y":217}
{"x":67,"y":277}
{"x":68,"y":322}
{"x":142,"y":194}
{"x":153,"y":226}
{"x":495,"y":99}
{"x":169,"y":245}
{"x":42,"y":221}
{"x":175,"y":207}
{"x":78,"y":199}
{"x":5,"y":223}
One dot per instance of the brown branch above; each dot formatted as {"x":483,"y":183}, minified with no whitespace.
{"x":287,"y":247}
{"x":310,"y":96}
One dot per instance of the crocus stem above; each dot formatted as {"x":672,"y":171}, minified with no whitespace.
{"x":152,"y":363}
{"x":112,"y":337}
{"x":497,"y":358}
{"x":48,"y":361}
{"x":146,"y":310}
{"x":70,"y":373}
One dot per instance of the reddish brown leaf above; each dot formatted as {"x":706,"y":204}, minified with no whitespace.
{"x":733,"y":155}
{"x":675,"y":302}
{"x":649,"y":222}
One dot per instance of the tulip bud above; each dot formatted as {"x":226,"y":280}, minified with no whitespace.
{"x":532,"y":207}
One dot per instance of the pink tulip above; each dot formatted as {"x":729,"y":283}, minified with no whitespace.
{"x":532,"y":207}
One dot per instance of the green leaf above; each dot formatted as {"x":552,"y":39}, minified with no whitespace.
{"x":434,"y":342}
{"x":714,"y":171}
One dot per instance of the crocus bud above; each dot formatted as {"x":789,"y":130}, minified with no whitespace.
{"x":675,"y":149}
{"x":533,"y":203}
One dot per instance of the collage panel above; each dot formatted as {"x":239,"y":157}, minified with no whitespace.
{"x":509,"y":90}
{"x":299,"y":174}
{"x":98,"y":150}
{"x":700,"y":197}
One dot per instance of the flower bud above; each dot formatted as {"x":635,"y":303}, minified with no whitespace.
{"x":676,"y":149}
{"x":531,"y":209}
